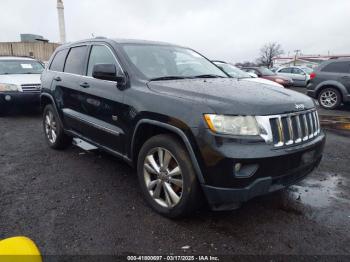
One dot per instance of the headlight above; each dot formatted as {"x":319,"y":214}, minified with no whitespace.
{"x":9,"y":87}
{"x":278,"y":80}
{"x":233,"y":125}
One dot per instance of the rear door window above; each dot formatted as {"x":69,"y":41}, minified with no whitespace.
{"x":75,"y":62}
{"x":57,"y":63}
{"x":286,"y":70}
{"x":297,"y":71}
{"x":337,"y":67}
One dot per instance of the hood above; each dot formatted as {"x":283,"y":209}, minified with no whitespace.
{"x":233,"y":96}
{"x":20,"y":79}
{"x":263,"y":81}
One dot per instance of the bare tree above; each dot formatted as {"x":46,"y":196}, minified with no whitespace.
{"x":268,"y":52}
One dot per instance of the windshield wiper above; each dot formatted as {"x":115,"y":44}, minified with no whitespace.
{"x":208,"y":76}
{"x":167,"y":78}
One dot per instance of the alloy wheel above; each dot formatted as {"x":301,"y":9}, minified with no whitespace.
{"x":163,"y":177}
{"x":328,"y":98}
{"x":50,"y":127}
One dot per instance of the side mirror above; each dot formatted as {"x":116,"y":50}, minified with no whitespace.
{"x":107,"y":72}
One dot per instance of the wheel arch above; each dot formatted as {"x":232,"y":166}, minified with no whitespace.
{"x":331,"y":84}
{"x":46,"y":99}
{"x":149,"y":128}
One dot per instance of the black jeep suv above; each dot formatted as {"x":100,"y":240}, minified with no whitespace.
{"x":195,"y":135}
{"x":330,"y":83}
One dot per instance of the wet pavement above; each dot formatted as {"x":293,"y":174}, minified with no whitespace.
{"x":75,"y":202}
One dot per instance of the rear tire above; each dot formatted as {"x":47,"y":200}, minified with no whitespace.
{"x":53,"y":130}
{"x":329,"y":98}
{"x":167,"y":178}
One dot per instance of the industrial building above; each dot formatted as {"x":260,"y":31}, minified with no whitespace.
{"x":36,"y":46}
{"x":304,"y":60}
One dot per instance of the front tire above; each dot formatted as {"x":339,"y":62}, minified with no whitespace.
{"x":329,"y":98}
{"x":167,"y":178}
{"x":53,"y":130}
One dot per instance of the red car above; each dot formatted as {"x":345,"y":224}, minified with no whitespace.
{"x":265,"y":73}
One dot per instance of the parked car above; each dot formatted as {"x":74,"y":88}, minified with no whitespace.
{"x":330,"y":83}
{"x":193,"y":133}
{"x":300,"y":75}
{"x":19,"y":82}
{"x":237,"y":73}
{"x":265,"y":73}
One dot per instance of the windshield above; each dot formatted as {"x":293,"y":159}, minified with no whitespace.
{"x":233,"y":71}
{"x":158,"y":61}
{"x":266,"y":72}
{"x":20,"y":67}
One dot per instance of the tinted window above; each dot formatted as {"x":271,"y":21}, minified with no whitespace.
{"x":285,"y":70}
{"x":58,"y":61}
{"x":75,"y":60}
{"x":100,"y":55}
{"x":337,"y":67}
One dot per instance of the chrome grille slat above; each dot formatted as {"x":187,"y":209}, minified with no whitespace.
{"x":315,"y":123}
{"x":290,"y":130}
{"x":293,"y":128}
{"x":311,"y":134}
{"x":280,"y":132}
{"x":300,"y":134}
{"x":306,"y":131}
{"x":31,"y":88}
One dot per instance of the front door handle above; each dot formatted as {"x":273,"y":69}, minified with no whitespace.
{"x":345,"y":77}
{"x":85,"y":85}
{"x":57,"y":78}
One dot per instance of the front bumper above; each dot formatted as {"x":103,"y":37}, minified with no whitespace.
{"x":266,"y":168}
{"x":224,"y":198}
{"x":9,"y":98}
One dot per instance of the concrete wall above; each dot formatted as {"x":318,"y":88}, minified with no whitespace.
{"x":39,"y":50}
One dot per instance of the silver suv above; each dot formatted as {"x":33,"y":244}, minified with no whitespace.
{"x":299,"y":74}
{"x":19,"y":82}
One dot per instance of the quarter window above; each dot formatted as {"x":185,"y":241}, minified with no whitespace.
{"x":337,"y":67}
{"x":57,"y":63}
{"x":76,"y":60}
{"x":100,"y":55}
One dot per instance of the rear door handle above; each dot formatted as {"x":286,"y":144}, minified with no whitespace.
{"x":57,"y":78}
{"x":84,"y":85}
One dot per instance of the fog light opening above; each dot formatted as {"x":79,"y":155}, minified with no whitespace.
{"x":8,"y":98}
{"x":238,"y":167}
{"x":245,"y":171}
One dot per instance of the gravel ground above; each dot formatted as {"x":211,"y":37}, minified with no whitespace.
{"x":76,"y":202}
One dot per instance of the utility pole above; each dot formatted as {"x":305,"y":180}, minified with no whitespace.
{"x":296,"y":54}
{"x":61,"y":23}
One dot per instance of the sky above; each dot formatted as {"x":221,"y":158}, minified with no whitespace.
{"x":230,"y":30}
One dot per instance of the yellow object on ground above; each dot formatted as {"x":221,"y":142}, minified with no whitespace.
{"x":19,"y":249}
